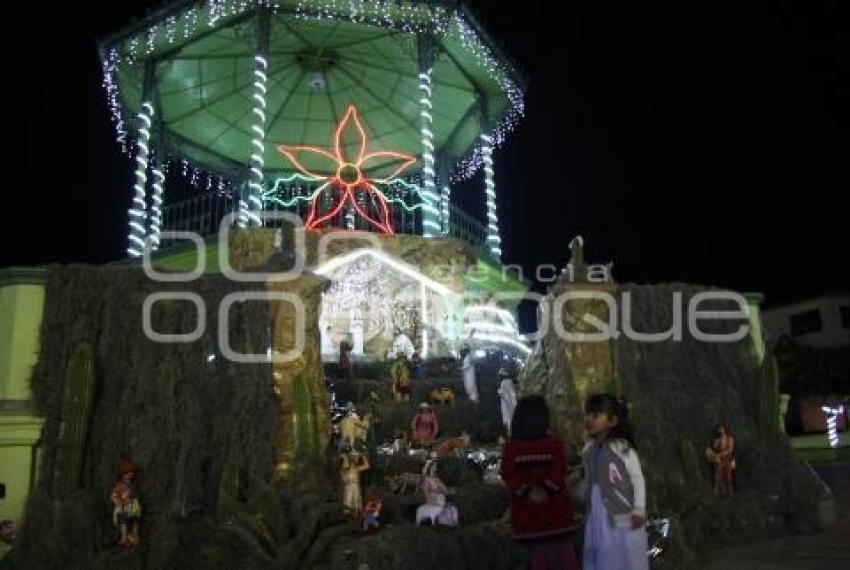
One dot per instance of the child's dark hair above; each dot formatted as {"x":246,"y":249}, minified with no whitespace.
{"x":726,"y":428}
{"x":531,"y":418}
{"x":614,"y":406}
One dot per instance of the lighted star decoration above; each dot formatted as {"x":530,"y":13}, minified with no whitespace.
{"x":349,"y":174}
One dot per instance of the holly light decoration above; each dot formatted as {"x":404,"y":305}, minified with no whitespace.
{"x":351,"y":175}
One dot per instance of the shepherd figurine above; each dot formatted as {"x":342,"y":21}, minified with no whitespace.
{"x":353,"y":464}
{"x":127,"y":510}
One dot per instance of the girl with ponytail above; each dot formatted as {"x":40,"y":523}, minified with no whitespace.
{"x":615,"y":532}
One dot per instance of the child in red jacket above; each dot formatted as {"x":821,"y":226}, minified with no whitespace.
{"x":533,"y":467}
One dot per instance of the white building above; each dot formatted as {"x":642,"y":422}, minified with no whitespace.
{"x":818,"y":322}
{"x":374,"y":299}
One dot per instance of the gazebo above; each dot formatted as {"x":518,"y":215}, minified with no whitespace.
{"x":356,"y":114}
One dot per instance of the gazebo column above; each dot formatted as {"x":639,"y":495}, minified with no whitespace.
{"x":254,"y":202}
{"x":138,"y":208}
{"x":494,"y":242}
{"x":431,"y":226}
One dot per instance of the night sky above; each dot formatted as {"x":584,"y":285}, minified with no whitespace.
{"x":690,"y":143}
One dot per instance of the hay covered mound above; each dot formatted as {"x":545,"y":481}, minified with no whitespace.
{"x":204,"y":432}
{"x":483,"y":539}
{"x":678,"y":392}
{"x":182,"y":412}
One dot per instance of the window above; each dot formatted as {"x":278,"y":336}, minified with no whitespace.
{"x":806,"y":323}
{"x":845,"y":316}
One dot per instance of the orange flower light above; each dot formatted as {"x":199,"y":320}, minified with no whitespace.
{"x":350,"y":173}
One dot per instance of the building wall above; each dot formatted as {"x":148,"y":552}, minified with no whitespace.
{"x":19,"y":433}
{"x":21,"y":306}
{"x":777,"y":322}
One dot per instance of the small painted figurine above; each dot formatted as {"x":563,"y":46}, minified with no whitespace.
{"x":353,"y":464}
{"x":353,"y":428}
{"x":345,"y":367}
{"x":8,"y":533}
{"x":469,"y":380}
{"x":424,"y":426}
{"x":723,"y":457}
{"x":507,"y":395}
{"x":435,"y":510}
{"x":453,"y":445}
{"x":400,"y":375}
{"x":402,"y":345}
{"x":371,"y":515}
{"x":400,"y":443}
{"x":442,"y":396}
{"x":416,"y":366}
{"x":128,"y":510}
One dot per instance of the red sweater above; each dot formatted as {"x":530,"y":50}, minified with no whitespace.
{"x":540,"y":463}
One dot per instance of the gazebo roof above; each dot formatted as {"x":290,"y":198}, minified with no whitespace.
{"x":323,"y":55}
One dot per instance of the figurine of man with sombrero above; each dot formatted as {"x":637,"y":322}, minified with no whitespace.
{"x":128,"y":510}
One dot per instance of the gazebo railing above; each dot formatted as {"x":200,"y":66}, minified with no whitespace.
{"x":203,"y":214}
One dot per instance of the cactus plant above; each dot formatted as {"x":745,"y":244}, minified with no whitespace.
{"x":76,"y":407}
{"x":303,"y":418}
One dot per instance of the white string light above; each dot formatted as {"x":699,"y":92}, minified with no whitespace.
{"x":832,"y":415}
{"x":445,"y":198}
{"x":493,"y":240}
{"x":255,"y":185}
{"x":111,"y":87}
{"x":242,"y":218}
{"x":493,"y":324}
{"x":156,"y":207}
{"x":430,"y":213}
{"x":137,"y":212}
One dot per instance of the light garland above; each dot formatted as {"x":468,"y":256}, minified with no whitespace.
{"x":171,"y":29}
{"x":255,"y":185}
{"x":503,"y":330}
{"x":471,"y":42}
{"x":272,"y":195}
{"x":505,"y":339}
{"x":242,"y":215}
{"x":430,"y":213}
{"x":361,"y":282}
{"x":156,"y":206}
{"x":406,"y":17}
{"x":493,"y":240}
{"x":332,"y":264}
{"x":832,"y":415}
{"x":445,"y":202}
{"x":194,"y":175}
{"x":137,"y":212}
{"x":111,"y":88}
{"x":503,"y":314}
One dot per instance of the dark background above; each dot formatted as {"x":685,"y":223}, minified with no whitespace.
{"x":704,"y":143}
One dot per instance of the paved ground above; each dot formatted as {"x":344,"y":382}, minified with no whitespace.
{"x":828,"y":550}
